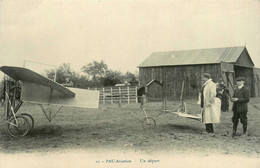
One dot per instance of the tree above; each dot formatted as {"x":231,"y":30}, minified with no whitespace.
{"x":131,"y":78}
{"x":112,"y":77}
{"x":95,"y":70}
{"x":96,"y":73}
{"x":82,"y":82}
{"x":64,"y":71}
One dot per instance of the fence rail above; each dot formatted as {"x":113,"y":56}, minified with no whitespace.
{"x":111,"y":95}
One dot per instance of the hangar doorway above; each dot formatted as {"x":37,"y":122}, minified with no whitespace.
{"x":248,"y":74}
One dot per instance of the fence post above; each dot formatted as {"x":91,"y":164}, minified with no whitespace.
{"x":164,"y":104}
{"x":111,"y":95}
{"x":136,"y":94}
{"x":120,"y":100}
{"x":128,"y":95}
{"x":142,"y":101}
{"x":104,"y":96}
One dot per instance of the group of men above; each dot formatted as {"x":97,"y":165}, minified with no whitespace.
{"x":211,"y":104}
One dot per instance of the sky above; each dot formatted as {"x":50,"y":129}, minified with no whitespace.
{"x":122,"y":33}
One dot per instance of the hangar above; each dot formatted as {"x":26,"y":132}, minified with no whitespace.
{"x":164,"y":73}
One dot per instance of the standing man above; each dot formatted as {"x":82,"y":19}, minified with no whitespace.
{"x":241,"y":98}
{"x":210,"y":104}
{"x":224,"y":95}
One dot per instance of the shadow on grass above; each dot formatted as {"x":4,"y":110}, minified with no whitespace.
{"x":78,"y":130}
{"x":46,"y":131}
{"x":179,"y":128}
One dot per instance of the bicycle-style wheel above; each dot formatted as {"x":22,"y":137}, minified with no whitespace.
{"x":30,"y":120}
{"x":18,"y":127}
{"x":148,"y":123}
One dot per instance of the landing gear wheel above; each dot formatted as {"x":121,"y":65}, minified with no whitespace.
{"x":148,"y":123}
{"x":30,"y":119}
{"x":18,"y":127}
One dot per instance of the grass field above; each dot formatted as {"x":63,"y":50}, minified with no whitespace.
{"x":117,"y":129}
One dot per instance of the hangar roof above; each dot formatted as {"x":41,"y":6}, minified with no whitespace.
{"x":193,"y":57}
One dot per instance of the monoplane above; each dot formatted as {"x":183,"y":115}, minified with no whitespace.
{"x":25,"y":85}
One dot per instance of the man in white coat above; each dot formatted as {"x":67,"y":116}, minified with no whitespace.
{"x":210,"y":104}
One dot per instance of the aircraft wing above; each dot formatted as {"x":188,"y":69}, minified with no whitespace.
{"x":28,"y":76}
{"x":35,"y":87}
{"x":187,"y":116}
{"x":40,"y":90}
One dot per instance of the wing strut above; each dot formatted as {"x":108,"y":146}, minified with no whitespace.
{"x":49,"y":115}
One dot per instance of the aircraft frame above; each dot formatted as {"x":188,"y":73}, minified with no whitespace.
{"x":25,"y":85}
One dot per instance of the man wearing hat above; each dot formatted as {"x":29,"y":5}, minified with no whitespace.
{"x":241,"y":98}
{"x":210,"y":104}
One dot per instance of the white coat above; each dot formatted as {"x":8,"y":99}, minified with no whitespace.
{"x":212,"y":105}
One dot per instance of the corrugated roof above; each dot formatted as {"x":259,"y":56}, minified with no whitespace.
{"x":191,"y":57}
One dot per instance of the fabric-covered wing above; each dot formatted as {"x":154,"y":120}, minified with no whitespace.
{"x":36,"y":93}
{"x":34,"y":82}
{"x":28,"y":76}
{"x":187,"y":116}
{"x":38,"y":89}
{"x":84,"y":98}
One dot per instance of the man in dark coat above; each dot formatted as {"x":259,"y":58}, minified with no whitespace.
{"x":225,"y":95}
{"x":241,"y":98}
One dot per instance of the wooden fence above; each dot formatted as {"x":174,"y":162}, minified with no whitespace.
{"x":118,"y":95}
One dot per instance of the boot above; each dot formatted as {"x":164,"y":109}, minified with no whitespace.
{"x":244,"y":130}
{"x":234,"y":129}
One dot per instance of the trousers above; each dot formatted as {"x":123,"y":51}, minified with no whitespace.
{"x":209,"y":128}
{"x":243,"y":119}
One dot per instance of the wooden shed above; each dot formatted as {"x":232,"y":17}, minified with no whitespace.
{"x":154,"y":85}
{"x":257,"y":81}
{"x":171,"y":68}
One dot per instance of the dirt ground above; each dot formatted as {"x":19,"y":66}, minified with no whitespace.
{"x":116,"y":128}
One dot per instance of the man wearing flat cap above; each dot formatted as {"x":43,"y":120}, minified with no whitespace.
{"x":241,"y":98}
{"x":210,"y":104}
